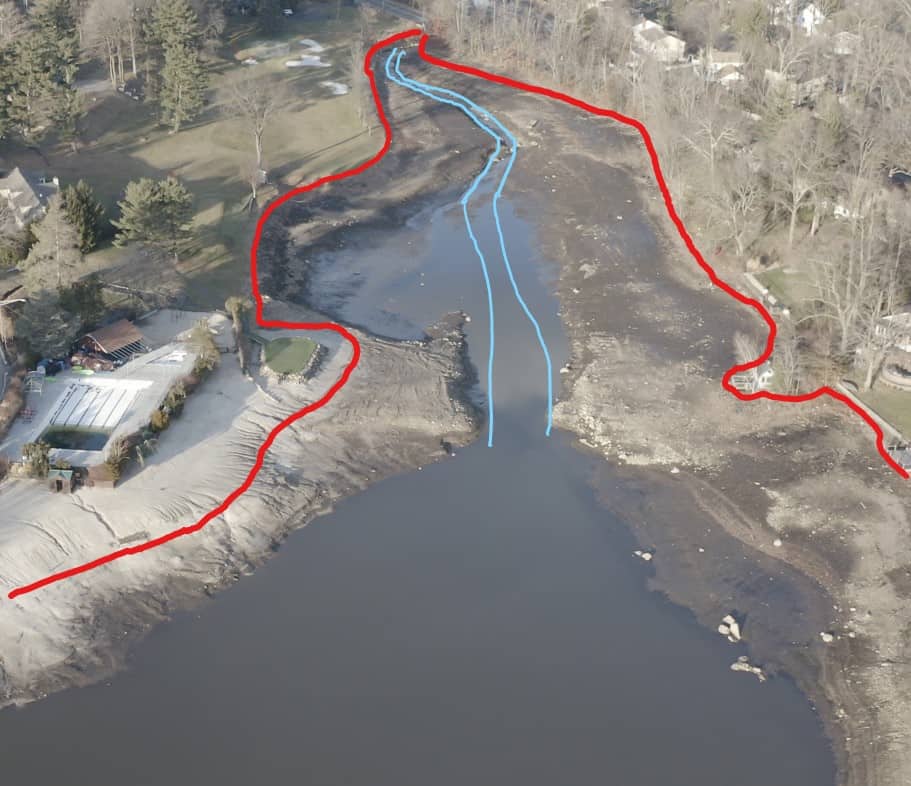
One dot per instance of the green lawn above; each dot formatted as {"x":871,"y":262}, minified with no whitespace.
{"x":289,"y":355}
{"x":312,"y":133}
{"x":793,"y":289}
{"x":894,"y":406}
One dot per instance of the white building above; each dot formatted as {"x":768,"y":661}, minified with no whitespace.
{"x":722,"y":67}
{"x":898,"y":328}
{"x":845,"y":43}
{"x":810,"y":19}
{"x":26,"y":198}
{"x":652,"y":39}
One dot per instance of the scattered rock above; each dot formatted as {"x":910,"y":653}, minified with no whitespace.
{"x":731,"y":628}
{"x":743,"y":664}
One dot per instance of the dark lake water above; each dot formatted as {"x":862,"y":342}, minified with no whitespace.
{"x":480,"y":621}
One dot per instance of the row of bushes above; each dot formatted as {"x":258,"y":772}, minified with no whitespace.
{"x":144,"y":442}
{"x":13,"y":400}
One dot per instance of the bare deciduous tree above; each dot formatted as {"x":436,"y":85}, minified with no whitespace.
{"x":736,"y":202}
{"x":787,"y":360}
{"x":716,"y":132}
{"x":799,"y":167}
{"x":254,"y":101}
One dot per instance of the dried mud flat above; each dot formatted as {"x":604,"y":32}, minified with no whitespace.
{"x":709,"y":482}
{"x":650,"y":341}
{"x":721,"y":481}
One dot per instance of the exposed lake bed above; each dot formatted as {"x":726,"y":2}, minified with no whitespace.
{"x":485,"y":618}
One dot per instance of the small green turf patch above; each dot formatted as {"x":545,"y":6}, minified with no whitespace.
{"x":793,"y":289}
{"x":894,"y":406}
{"x":289,"y":355}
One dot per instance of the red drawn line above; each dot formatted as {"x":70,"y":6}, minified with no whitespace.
{"x":691,"y":246}
{"x":343,"y":379}
{"x":267,"y":323}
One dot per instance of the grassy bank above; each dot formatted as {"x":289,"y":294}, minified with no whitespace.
{"x":312,"y":133}
{"x":894,"y":406}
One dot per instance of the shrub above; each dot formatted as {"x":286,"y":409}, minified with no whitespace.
{"x":13,"y":401}
{"x":175,"y":399}
{"x":159,"y":420}
{"x":118,"y":453}
{"x":190,"y":382}
{"x":207,"y":354}
{"x":14,"y":247}
{"x":36,"y":458}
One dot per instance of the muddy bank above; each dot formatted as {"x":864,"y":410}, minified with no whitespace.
{"x":650,"y":344}
{"x":783,"y":513}
{"x":403,"y":404}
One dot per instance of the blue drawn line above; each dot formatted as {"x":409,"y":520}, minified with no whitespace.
{"x":434,"y":92}
{"x":474,"y":240}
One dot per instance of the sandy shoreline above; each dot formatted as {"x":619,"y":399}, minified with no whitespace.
{"x":405,"y":405}
{"x":391,"y":417}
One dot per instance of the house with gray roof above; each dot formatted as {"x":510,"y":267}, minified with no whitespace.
{"x":26,"y":197}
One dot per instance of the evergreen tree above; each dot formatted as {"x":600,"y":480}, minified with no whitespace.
{"x":44,"y":327}
{"x":28,"y":104}
{"x":138,"y":217}
{"x":173,"y":69}
{"x":42,"y":73}
{"x":176,"y":214}
{"x":175,"y":25}
{"x":84,"y":299}
{"x":7,"y":64}
{"x":85,"y":213}
{"x":56,"y":39}
{"x":269,"y":14}
{"x":66,"y":112}
{"x":183,"y":86}
{"x":155,"y":212}
{"x":54,"y":260}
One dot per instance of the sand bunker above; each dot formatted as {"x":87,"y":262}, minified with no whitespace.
{"x":262,"y":50}
{"x":307,"y":61}
{"x":337,"y":88}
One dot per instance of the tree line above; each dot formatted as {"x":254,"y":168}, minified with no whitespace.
{"x":61,"y":300}
{"x":156,"y":49}
{"x":799,"y":162}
